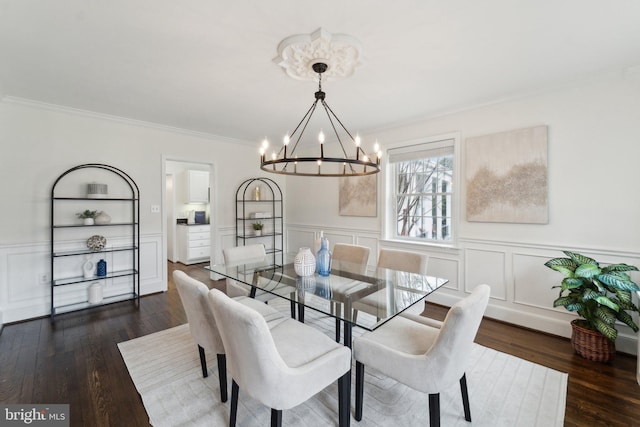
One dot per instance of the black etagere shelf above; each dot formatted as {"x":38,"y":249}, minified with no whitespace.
{"x":132,"y":233}
{"x":247,"y":205}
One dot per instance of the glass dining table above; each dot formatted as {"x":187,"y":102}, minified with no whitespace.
{"x":387,"y":292}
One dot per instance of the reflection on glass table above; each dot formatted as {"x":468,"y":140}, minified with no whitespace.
{"x":394,"y":290}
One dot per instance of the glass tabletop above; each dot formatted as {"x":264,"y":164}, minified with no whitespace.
{"x":367,"y":299}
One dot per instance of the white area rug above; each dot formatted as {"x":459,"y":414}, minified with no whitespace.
{"x":503,"y":390}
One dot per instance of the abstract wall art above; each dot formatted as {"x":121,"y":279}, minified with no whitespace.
{"x":506,"y":176}
{"x":358,"y":195}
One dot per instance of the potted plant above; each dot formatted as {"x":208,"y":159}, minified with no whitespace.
{"x":88,"y":216}
{"x":601,"y":296}
{"x":258,"y":226}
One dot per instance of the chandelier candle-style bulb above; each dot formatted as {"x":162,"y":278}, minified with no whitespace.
{"x":286,"y":142}
{"x":376,"y":150}
{"x":357,"y":142}
{"x":263,"y":149}
{"x":321,"y":139}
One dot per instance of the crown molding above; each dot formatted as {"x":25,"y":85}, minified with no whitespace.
{"x":119,"y":119}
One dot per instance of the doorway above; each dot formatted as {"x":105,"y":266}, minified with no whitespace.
{"x":181,"y":207}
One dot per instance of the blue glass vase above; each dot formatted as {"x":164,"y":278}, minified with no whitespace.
{"x":102,"y":268}
{"x":323,"y":259}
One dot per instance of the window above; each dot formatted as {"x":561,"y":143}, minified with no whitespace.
{"x":423,"y":191}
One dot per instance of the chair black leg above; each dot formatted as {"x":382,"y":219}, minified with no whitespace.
{"x":465,"y":397}
{"x":434,"y":410}
{"x":337,"y":330}
{"x":276,"y":418}
{"x":222,"y":374}
{"x":293,"y":310}
{"x":234,"y":404}
{"x":359,"y":389}
{"x":203,"y":362}
{"x":344,"y":399}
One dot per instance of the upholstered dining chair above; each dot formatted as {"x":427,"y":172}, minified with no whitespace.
{"x":411,"y":262}
{"x":236,"y":256}
{"x":245,"y":254}
{"x":202,"y":325}
{"x":282,"y":367}
{"x":355,"y":258}
{"x":424,"y":354}
{"x":350,"y":258}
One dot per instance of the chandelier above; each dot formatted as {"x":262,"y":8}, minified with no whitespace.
{"x":340,"y":160}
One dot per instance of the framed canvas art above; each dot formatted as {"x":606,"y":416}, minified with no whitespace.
{"x":506,"y":176}
{"x":358,"y":195}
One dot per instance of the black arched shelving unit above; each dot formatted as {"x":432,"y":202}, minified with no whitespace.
{"x":69,"y":285}
{"x":270,"y":207}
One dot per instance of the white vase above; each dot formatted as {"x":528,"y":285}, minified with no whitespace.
{"x":258,"y":232}
{"x":304,"y":263}
{"x":95,"y":293}
{"x":88,"y":269}
{"x":88,"y":221}
{"x":102,"y":218}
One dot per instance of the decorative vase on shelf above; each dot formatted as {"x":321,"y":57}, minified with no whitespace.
{"x":95,"y":293}
{"x":88,"y":221}
{"x":88,"y":269}
{"x":102,"y":268}
{"x":102,"y":219}
{"x":258,"y":232}
{"x":304,"y":263}
{"x":256,"y":193}
{"x":323,"y":258}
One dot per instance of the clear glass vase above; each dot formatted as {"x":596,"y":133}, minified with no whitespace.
{"x":323,"y":259}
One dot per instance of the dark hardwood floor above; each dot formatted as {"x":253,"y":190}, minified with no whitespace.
{"x":76,"y":361}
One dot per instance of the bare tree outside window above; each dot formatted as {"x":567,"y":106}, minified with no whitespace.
{"x":423,"y":198}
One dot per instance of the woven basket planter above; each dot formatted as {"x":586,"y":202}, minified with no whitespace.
{"x":591,"y":345}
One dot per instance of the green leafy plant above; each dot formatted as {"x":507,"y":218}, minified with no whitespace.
{"x":601,"y":295}
{"x":257,"y":225}
{"x":87,"y":214}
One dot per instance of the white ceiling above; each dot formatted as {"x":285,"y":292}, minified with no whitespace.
{"x":206,"y":65}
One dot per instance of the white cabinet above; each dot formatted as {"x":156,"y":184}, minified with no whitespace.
{"x":194,"y":243}
{"x":196,"y":186}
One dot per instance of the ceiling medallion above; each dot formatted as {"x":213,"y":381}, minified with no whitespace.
{"x":297,"y":55}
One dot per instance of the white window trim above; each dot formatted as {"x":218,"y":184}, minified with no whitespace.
{"x":389,"y":203}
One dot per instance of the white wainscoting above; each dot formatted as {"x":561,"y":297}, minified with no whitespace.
{"x":521,"y":286}
{"x":24,"y":295}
